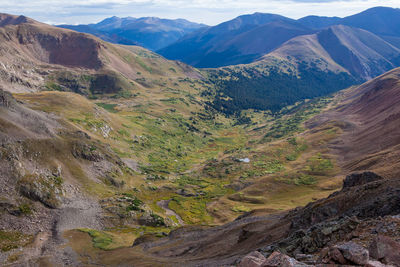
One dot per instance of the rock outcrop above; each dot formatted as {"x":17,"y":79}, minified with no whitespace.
{"x":357,"y":179}
{"x":386,"y":250}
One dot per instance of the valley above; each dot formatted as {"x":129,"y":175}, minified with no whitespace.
{"x":112,"y":155}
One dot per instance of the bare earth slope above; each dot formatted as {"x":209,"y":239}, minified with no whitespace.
{"x":371,"y":138}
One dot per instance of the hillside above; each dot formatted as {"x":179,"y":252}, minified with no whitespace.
{"x":371,"y":136}
{"x":149,"y":32}
{"x":362,"y":213}
{"x":241,"y":40}
{"x":91,"y":124}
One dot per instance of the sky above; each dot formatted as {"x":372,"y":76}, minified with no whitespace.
{"x":209,"y":12}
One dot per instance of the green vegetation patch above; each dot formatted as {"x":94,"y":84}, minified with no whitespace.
{"x":11,"y":240}
{"x":100,"y":239}
{"x":44,"y":188}
{"x":319,"y":165}
{"x":290,"y":121}
{"x":108,"y":107}
{"x":241,"y":209}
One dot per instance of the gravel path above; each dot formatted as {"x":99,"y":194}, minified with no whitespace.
{"x":164,"y":205}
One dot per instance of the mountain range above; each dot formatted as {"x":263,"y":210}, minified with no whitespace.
{"x":247,"y":38}
{"x":150,"y":32}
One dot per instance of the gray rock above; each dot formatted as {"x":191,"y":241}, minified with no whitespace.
{"x":278,"y":259}
{"x":354,"y":253}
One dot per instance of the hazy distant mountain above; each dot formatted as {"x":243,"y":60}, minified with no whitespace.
{"x":241,"y":40}
{"x":246,"y":38}
{"x":149,"y":32}
{"x":382,"y":21}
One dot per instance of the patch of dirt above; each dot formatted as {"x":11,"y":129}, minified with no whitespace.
{"x":164,"y":205}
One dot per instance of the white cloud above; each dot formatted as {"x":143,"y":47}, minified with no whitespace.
{"x":206,"y":11}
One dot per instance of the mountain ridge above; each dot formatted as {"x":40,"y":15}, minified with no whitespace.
{"x":231,"y":50}
{"x":150,"y":32}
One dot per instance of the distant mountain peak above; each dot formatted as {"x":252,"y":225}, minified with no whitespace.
{"x":150,"y":32}
{"x":7,"y":19}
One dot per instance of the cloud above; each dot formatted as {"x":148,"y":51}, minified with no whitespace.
{"x":205,"y":11}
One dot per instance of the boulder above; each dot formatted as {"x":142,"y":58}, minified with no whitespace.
{"x":306,"y":258}
{"x":278,"y":259}
{"x":372,"y":263}
{"x":254,"y":259}
{"x":6,"y":99}
{"x":386,"y":250}
{"x":347,"y":253}
{"x":335,"y":255}
{"x":353,"y":252}
{"x":357,"y":179}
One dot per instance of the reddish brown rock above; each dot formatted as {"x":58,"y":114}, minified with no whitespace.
{"x":372,"y":263}
{"x":385,"y":250}
{"x":278,"y":259}
{"x":254,"y":259}
{"x":354,"y":253}
{"x":335,"y":255}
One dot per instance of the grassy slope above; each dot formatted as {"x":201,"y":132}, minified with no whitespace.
{"x":285,"y":161}
{"x":152,"y":112}
{"x":169,"y":134}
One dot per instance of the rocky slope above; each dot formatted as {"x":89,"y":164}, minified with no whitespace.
{"x":63,"y":164}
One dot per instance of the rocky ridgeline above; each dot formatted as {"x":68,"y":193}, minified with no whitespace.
{"x":370,"y":237}
{"x":383,"y":251}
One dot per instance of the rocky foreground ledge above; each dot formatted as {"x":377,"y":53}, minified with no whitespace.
{"x":367,"y":235}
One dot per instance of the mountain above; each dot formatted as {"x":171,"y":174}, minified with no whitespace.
{"x":241,"y":40}
{"x":60,"y":53}
{"x":150,"y":32}
{"x":356,"y":51}
{"x":253,"y":36}
{"x":382,"y":21}
{"x":306,"y":66}
{"x":82,"y":123}
{"x":319,"y":22}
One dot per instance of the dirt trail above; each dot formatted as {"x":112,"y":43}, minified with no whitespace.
{"x":164,"y":205}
